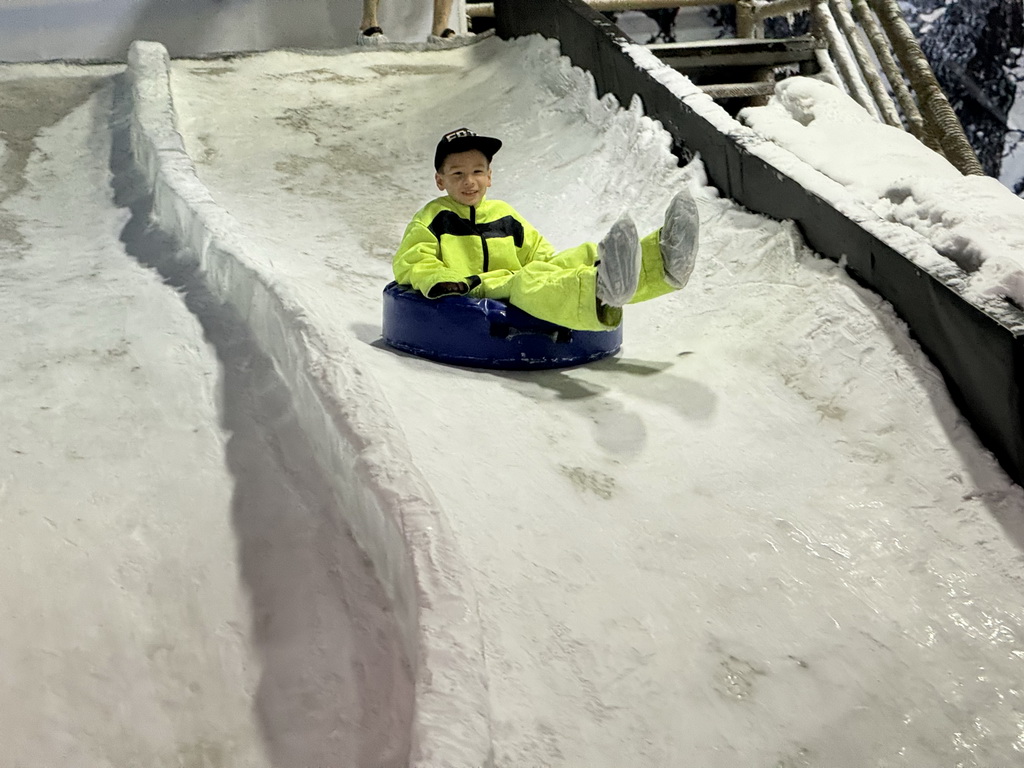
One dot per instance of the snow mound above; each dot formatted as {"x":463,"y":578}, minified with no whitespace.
{"x":971,"y":221}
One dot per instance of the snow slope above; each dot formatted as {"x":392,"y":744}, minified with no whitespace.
{"x":125,"y":624}
{"x":173,"y":589}
{"x":42,"y":30}
{"x":761,"y":535}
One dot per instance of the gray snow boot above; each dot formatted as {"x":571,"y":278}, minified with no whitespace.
{"x":618,"y":268}
{"x":678,"y":239}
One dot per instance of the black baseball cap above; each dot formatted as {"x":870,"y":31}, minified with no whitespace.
{"x":463,"y":140}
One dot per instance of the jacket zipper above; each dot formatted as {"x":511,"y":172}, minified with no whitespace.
{"x":483,"y":240}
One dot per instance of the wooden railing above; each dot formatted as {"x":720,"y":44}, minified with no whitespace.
{"x":865,"y":47}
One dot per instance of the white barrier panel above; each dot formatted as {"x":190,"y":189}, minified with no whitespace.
{"x":43,"y":30}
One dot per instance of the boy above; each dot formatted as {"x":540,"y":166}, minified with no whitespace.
{"x":463,"y":243}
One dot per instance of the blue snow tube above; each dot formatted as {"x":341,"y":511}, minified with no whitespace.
{"x":486,"y":333}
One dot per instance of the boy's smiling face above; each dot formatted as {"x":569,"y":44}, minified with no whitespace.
{"x":465,"y":176}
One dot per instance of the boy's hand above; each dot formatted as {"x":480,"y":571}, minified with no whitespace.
{"x":447,"y":289}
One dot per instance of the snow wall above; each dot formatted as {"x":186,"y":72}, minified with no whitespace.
{"x":979,"y":350}
{"x":385,"y":501}
{"x":43,"y":30}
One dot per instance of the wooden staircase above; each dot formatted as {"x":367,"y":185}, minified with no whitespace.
{"x":739,"y":71}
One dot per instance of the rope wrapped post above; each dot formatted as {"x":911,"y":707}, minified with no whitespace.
{"x":936,"y":107}
{"x":747,"y":24}
{"x":886,"y":108}
{"x":818,"y":32}
{"x":893,"y":73}
{"x":848,"y":70}
{"x":828,"y":68}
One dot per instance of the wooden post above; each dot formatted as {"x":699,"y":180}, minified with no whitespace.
{"x":936,"y":107}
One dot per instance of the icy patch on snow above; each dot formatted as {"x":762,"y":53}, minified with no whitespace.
{"x":390,"y":509}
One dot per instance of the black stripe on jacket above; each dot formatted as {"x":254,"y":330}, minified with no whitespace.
{"x":450,"y":223}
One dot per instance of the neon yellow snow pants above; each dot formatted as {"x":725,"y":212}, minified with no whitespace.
{"x":561,"y":289}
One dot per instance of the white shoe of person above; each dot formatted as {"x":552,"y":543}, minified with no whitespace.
{"x":678,"y":239}
{"x":372,"y":36}
{"x":618,"y":267}
{"x":448,"y":36}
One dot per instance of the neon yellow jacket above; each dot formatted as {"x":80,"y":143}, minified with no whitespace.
{"x":500,"y":256}
{"x":450,"y":242}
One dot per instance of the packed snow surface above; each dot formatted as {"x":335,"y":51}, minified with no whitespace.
{"x":125,"y":626}
{"x":174,"y":590}
{"x":761,"y":535}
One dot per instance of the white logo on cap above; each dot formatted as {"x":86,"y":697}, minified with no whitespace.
{"x":461,"y":133}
